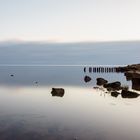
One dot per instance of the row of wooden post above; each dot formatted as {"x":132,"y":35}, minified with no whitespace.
{"x":100,"y":69}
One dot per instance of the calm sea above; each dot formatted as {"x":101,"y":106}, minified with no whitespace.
{"x":29,"y":111}
{"x":117,"y":53}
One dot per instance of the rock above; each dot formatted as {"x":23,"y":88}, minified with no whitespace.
{"x":96,"y":88}
{"x":12,"y":75}
{"x":87,"y":79}
{"x":132,"y":74}
{"x":101,"y":81}
{"x":115,"y":94}
{"x":134,"y":67}
{"x":113,"y":86}
{"x":58,"y":92}
{"x":129,"y":94}
{"x":125,"y":87}
{"x":136,"y":83}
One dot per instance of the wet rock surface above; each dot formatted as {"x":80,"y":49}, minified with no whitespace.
{"x":87,"y":79}
{"x":101,"y":81}
{"x":134,"y":67}
{"x":113,"y":86}
{"x":115,"y":94}
{"x":58,"y":92}
{"x":129,"y":94}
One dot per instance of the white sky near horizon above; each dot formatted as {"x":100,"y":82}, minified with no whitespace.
{"x":69,"y":20}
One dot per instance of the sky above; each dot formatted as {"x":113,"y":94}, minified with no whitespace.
{"x":69,"y":20}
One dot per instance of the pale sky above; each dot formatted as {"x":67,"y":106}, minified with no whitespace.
{"x":70,"y":20}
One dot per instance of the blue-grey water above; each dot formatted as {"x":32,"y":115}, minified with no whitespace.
{"x":28,"y":111}
{"x":115,"y":53}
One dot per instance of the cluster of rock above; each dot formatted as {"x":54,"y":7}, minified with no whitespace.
{"x":114,"y":87}
{"x":132,"y":73}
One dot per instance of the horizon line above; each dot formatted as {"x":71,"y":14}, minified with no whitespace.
{"x":58,"y":65}
{"x":64,"y":42}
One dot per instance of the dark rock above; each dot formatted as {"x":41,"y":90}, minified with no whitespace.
{"x":115,"y":94}
{"x":136,"y":83}
{"x":101,"y":81}
{"x":58,"y":92}
{"x":87,"y":79}
{"x":125,"y":87}
{"x":129,"y":94}
{"x":113,"y":86}
{"x":132,"y":74}
{"x":96,"y":88}
{"x":134,"y":67}
{"x":12,"y":75}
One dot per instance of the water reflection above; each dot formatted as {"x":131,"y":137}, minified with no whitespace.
{"x":29,"y":112}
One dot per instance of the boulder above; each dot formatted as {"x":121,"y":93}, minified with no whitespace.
{"x":113,"y":86}
{"x":58,"y":92}
{"x":87,"y":79}
{"x":101,"y":81}
{"x":132,"y":74}
{"x":115,"y":94}
{"x":129,"y":94}
{"x":134,"y":67}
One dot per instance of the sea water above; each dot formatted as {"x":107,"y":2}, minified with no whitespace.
{"x":29,"y":111}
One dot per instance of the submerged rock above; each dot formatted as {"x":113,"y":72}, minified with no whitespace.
{"x":129,"y":94}
{"x":101,"y":81}
{"x":87,"y":79}
{"x":113,"y":86}
{"x":58,"y":92}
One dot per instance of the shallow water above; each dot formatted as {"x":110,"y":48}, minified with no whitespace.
{"x":28,"y":111}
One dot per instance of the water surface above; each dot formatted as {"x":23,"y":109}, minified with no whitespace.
{"x":28,"y":111}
